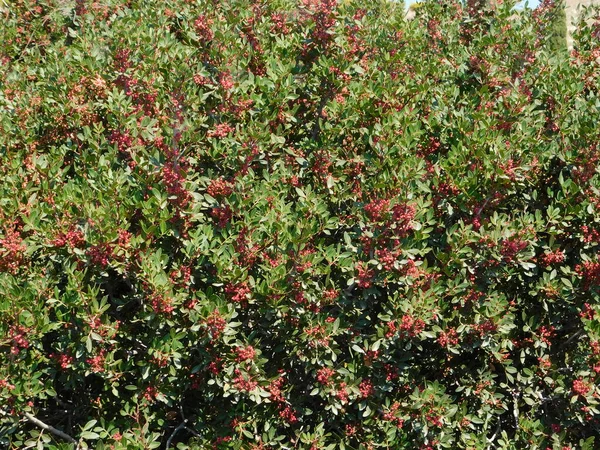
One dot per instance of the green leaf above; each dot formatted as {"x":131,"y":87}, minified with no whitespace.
{"x":89,"y":425}
{"x":357,"y":349}
{"x":89,"y":435}
{"x":367,"y":412}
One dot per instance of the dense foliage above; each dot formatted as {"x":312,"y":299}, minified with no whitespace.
{"x":280,"y":224}
{"x":557,"y":34}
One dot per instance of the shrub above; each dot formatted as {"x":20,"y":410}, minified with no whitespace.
{"x":558,"y":29}
{"x":278,"y":224}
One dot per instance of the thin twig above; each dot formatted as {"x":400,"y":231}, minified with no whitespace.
{"x":175,"y":431}
{"x":573,"y":336}
{"x":193,"y":432}
{"x":34,"y":420}
{"x":493,"y":438}
{"x":516,"y":396}
{"x":181,"y":411}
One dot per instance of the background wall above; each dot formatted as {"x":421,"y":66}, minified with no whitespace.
{"x":572,"y":14}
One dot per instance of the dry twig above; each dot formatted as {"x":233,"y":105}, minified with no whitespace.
{"x":34,"y":420}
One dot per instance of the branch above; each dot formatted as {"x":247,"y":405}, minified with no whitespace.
{"x":516,"y":396}
{"x":573,"y":336}
{"x":493,"y":438}
{"x":34,"y":420}
{"x":195,"y":433}
{"x":175,"y":431}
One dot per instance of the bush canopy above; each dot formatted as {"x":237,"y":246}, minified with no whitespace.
{"x":297,"y":225}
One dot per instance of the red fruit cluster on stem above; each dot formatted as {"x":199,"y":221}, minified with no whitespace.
{"x":391,"y":415}
{"x":590,"y":235}
{"x":510,"y":248}
{"x":325,"y":375}
{"x":238,"y":293}
{"x":244,"y":383}
{"x":588,"y":312}
{"x":580,"y":387}
{"x":484,"y":328}
{"x":448,"y":337}
{"x":215,"y":324}
{"x":161,"y":304}
{"x":408,"y":327}
{"x":64,"y":360}
{"x":366,"y":388}
{"x":73,"y":238}
{"x":590,"y":272}
{"x":97,"y":362}
{"x":220,"y":131}
{"x":17,"y":334}
{"x":402,"y":217}
{"x":222,"y":214}
{"x":174,"y":181}
{"x":12,"y":251}
{"x":377,"y":209}
{"x":219,"y":188}
{"x":245,"y":353}
{"x":365,"y":275}
{"x":202,"y":27}
{"x":555,"y":257}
